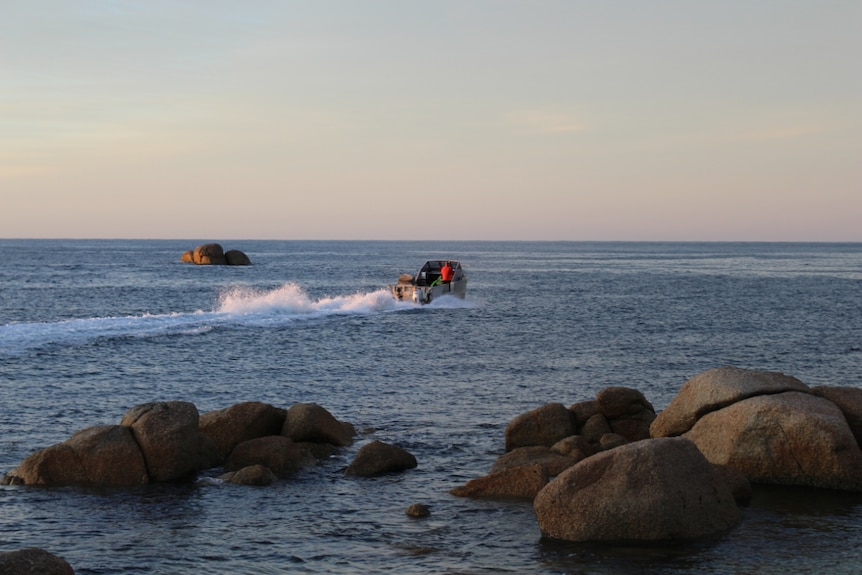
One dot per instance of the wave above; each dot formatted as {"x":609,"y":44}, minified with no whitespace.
{"x":237,"y":307}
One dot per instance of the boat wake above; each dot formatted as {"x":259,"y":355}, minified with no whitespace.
{"x":237,"y":307}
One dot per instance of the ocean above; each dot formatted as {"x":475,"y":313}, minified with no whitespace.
{"x":91,"y":328}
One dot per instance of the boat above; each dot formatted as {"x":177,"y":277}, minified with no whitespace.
{"x":428,"y":285}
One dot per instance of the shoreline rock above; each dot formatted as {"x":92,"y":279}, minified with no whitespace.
{"x":170,"y":442}
{"x":651,"y":490}
{"x":33,"y":561}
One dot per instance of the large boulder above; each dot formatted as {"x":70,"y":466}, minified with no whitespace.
{"x":278,"y":453}
{"x":105,"y":455}
{"x":715,"y":389}
{"x":168,"y":435}
{"x":236,"y":258}
{"x":659,"y":489}
{"x":377,"y":458}
{"x":790,"y":438}
{"x":522,"y":482}
{"x":209,"y":254}
{"x":248,"y":420}
{"x":33,"y":561}
{"x":544,"y":425}
{"x":311,"y":422}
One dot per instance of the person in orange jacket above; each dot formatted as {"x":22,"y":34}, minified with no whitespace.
{"x":447,"y":273}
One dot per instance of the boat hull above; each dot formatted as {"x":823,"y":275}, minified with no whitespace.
{"x":427,"y":294}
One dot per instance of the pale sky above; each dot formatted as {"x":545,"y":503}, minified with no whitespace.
{"x":445,"y":119}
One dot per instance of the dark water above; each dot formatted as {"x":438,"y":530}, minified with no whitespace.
{"x":89,"y":329}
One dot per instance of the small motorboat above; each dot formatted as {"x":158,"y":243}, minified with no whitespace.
{"x":428,"y":283}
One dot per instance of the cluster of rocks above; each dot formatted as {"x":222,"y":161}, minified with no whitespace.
{"x":544,"y":442}
{"x":256,"y":443}
{"x":613,"y":469}
{"x":214,"y":254}
{"x":608,"y":469}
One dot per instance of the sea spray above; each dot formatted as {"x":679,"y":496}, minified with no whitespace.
{"x":237,"y":306}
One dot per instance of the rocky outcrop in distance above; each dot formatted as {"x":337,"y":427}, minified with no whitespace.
{"x":214,"y":254}
{"x":612,"y":469}
{"x":256,"y":444}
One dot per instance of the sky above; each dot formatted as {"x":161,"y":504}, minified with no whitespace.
{"x":631,"y":120}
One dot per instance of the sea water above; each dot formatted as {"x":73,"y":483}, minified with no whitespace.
{"x":89,"y":329}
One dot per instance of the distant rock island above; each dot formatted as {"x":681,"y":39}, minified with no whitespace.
{"x":214,"y":255}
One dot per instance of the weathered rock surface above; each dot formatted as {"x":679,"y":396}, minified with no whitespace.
{"x":575,"y":447}
{"x":276,"y":452}
{"x":544,"y":425}
{"x":791,"y":438}
{"x":102,"y":455}
{"x":552,"y":462}
{"x":622,"y":411}
{"x":232,"y":425}
{"x":849,"y":401}
{"x":651,"y":490}
{"x":377,"y":458}
{"x":255,"y":475}
{"x":715,"y":389}
{"x":418,"y":511}
{"x":33,"y":561}
{"x":311,"y":422}
{"x":521,"y":482}
{"x":168,"y":435}
{"x":739,"y":484}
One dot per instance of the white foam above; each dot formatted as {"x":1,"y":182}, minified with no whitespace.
{"x":238,"y":306}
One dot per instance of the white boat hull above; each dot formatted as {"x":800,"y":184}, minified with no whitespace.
{"x":427,"y":285}
{"x":427,"y":294}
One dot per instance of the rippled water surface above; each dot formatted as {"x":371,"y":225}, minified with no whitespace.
{"x":88,"y":329}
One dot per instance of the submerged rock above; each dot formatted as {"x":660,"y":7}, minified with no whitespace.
{"x":418,"y":511}
{"x":377,"y":458}
{"x":255,"y":475}
{"x":522,"y":482}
